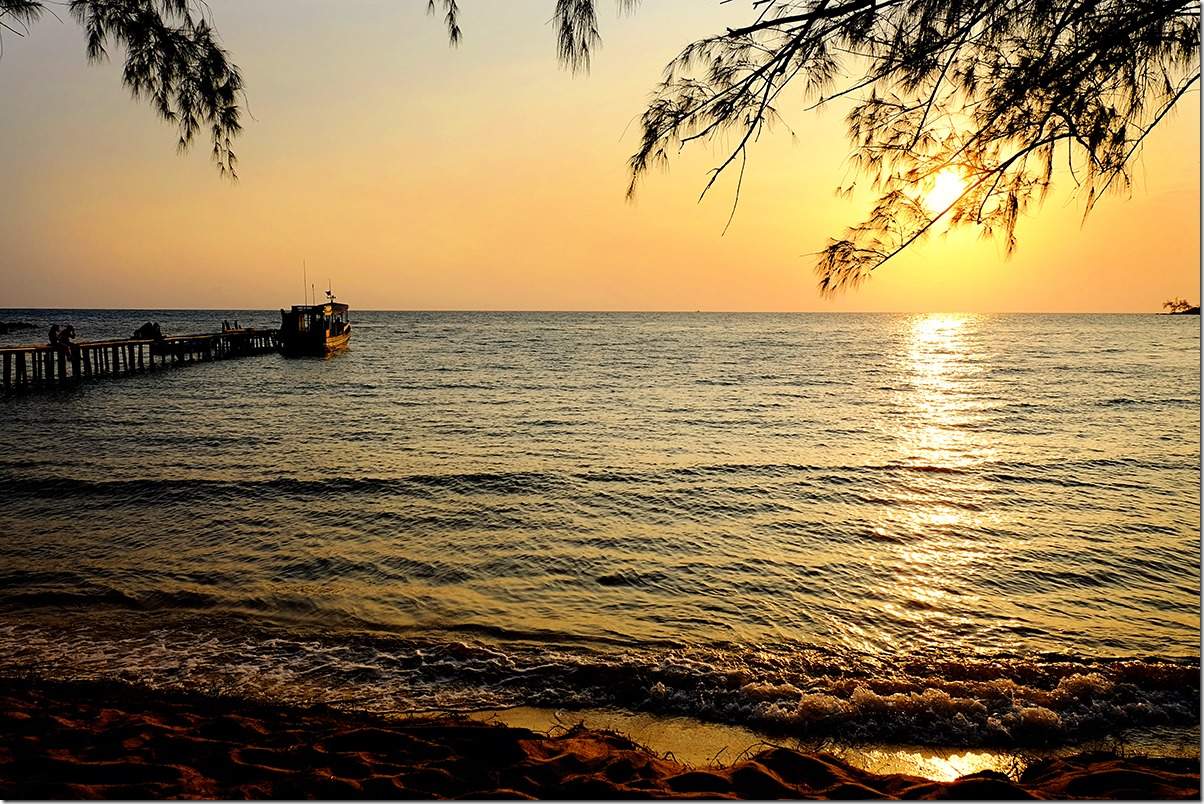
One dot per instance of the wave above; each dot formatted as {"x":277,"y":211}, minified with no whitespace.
{"x":631,"y":579}
{"x":19,"y":482}
{"x":796,"y":690}
{"x":275,"y":488}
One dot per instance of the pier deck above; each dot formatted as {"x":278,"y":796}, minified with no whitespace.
{"x":44,"y":366}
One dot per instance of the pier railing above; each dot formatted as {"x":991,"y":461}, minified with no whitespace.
{"x":47,"y":366}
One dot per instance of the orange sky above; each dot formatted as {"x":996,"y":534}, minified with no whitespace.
{"x":417,"y":176}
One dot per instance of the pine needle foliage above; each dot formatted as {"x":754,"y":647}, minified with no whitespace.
{"x":173,"y":59}
{"x":995,"y":91}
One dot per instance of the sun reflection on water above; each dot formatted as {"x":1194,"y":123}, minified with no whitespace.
{"x":941,"y":506}
{"x":944,"y":371}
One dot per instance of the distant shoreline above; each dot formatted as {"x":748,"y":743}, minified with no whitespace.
{"x":72,"y":740}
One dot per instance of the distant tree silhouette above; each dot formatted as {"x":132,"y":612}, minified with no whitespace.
{"x":995,"y":90}
{"x":1178,"y":305}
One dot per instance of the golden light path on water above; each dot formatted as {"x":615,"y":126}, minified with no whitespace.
{"x":938,"y":435}
{"x":943,"y":370}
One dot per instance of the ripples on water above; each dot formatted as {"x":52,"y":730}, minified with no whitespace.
{"x":967,"y":529}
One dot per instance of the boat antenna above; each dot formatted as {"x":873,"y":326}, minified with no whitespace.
{"x":304,"y":281}
{"x":313,"y":294}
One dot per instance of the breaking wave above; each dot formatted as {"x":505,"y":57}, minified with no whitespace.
{"x":794,"y":690}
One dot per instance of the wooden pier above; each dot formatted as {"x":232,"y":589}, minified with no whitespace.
{"x":43,"y":366}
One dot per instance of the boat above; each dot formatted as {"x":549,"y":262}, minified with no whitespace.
{"x":315,"y":329}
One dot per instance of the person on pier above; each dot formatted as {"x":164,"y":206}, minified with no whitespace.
{"x":149,"y":331}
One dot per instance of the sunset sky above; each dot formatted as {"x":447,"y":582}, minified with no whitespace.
{"x":419,"y":176}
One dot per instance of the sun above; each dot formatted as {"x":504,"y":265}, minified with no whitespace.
{"x":946,"y":188}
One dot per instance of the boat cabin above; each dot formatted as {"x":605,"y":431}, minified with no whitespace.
{"x":330,"y":319}
{"x":315,"y":327}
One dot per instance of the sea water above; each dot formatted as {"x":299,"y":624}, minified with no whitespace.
{"x":954,"y":530}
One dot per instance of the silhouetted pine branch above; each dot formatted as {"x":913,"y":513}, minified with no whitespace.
{"x":172,"y":59}
{"x":993,"y":90}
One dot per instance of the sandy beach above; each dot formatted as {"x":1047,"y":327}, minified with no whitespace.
{"x":92,"y":740}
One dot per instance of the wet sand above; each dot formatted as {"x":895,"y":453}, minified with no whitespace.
{"x":90,"y":740}
{"x":700,"y":743}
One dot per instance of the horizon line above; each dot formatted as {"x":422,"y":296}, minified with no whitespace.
{"x":615,"y":311}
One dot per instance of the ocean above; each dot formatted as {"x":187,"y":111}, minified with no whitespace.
{"x":948,"y":530}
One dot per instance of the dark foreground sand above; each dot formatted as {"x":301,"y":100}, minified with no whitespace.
{"x":111,"y":741}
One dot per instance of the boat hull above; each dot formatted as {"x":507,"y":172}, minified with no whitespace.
{"x":298,"y":344}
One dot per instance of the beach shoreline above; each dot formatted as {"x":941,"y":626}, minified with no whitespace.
{"x":112,"y":740}
{"x":701,"y":743}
